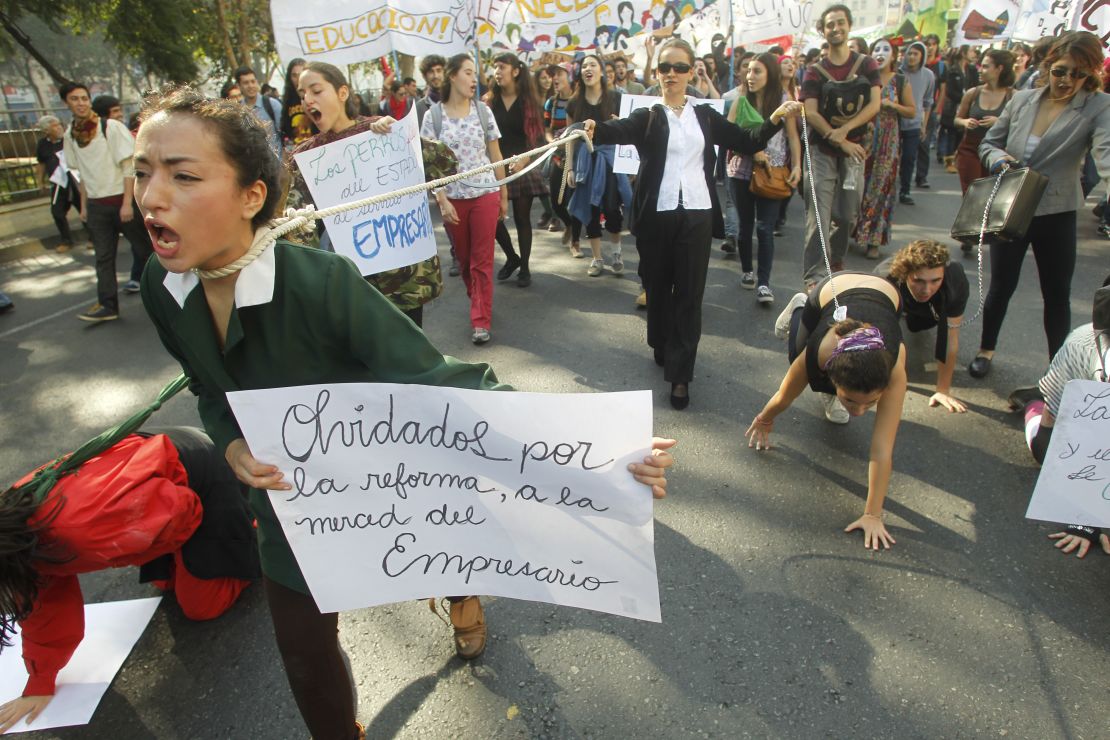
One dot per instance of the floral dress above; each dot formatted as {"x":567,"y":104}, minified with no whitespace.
{"x":880,"y":174}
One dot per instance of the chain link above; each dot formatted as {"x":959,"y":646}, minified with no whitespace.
{"x":839,"y":313}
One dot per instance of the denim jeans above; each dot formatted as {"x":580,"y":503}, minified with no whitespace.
{"x":911,"y":138}
{"x":105,"y":227}
{"x":923,"y":149}
{"x":732,"y":222}
{"x":756,"y":215}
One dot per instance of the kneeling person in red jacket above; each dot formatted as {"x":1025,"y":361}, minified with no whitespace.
{"x":165,"y":502}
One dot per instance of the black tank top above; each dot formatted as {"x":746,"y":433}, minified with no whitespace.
{"x":868,"y":305}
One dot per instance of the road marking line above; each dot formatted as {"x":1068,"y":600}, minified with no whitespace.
{"x":44,"y":319}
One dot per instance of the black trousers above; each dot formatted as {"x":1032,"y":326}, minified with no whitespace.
{"x":104,"y":227}
{"x":309,"y":645}
{"x":674,"y":258}
{"x":61,"y":200}
{"x":1053,"y":240}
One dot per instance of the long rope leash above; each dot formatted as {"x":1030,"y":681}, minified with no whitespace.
{"x":294,"y":220}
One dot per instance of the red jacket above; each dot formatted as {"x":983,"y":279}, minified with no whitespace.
{"x":126,"y":507}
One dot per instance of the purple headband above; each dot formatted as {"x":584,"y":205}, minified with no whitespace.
{"x":857,"y":340}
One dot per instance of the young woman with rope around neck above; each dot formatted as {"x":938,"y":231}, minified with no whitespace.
{"x":208,"y":186}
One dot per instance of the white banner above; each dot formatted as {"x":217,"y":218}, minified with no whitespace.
{"x":756,"y":20}
{"x":1074,"y":484}
{"x":391,"y":234}
{"x":627,"y":160}
{"x":986,"y":21}
{"x":537,"y":26}
{"x":405,"y":491}
{"x":1094,"y":16}
{"x":1040,"y":18}
{"x":344,"y":32}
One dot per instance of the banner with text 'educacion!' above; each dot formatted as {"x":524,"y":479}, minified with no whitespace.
{"x":409,"y":491}
{"x":345,"y":32}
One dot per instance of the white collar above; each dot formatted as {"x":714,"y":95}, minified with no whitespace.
{"x":253,"y":287}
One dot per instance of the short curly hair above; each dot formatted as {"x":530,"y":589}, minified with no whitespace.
{"x":920,"y":254}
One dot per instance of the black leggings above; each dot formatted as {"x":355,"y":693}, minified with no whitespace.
{"x":1053,"y":238}
{"x":522,"y":217}
{"x":309,"y":645}
{"x":554,"y":184}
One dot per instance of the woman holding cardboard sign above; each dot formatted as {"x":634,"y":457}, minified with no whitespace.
{"x":329,"y":104}
{"x":208,"y":185}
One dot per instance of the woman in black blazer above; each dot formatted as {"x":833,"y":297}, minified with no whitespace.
{"x":675,"y":213}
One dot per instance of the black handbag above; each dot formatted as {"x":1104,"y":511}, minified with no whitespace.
{"x":1018,"y":193}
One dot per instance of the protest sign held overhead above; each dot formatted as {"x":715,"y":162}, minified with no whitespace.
{"x":395,"y":233}
{"x":345,"y":32}
{"x":405,"y":491}
{"x":1074,"y":484}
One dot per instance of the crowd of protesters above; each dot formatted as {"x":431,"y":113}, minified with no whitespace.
{"x":876,"y":117}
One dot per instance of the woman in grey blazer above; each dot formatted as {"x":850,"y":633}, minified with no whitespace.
{"x":1050,"y":128}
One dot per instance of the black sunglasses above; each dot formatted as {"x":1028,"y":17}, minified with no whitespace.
{"x":1064,"y":72}
{"x":680,"y":67}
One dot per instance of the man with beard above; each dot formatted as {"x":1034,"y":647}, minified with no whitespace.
{"x":841,"y":95}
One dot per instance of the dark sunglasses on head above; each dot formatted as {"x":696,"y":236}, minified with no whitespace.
{"x":1075,"y":73}
{"x":680,"y":67}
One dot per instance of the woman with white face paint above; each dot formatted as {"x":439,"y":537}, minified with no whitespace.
{"x":881,"y":169}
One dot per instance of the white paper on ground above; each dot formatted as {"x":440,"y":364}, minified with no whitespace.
{"x":410,"y":491}
{"x":111,"y":630}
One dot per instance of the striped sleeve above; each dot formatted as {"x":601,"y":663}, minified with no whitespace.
{"x":1076,"y":360}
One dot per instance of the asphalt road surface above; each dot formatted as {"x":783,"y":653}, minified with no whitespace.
{"x":775,"y":622}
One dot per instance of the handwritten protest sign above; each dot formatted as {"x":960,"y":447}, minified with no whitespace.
{"x":627,"y":161}
{"x":1074,"y":485}
{"x":406,"y":491}
{"x":757,"y":20}
{"x":388,"y":235}
{"x":343,"y":32}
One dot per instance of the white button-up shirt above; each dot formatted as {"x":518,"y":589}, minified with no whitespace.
{"x":684,"y":169}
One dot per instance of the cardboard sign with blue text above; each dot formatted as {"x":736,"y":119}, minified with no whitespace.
{"x":627,"y":160}
{"x":1074,"y":484}
{"x":405,"y":491}
{"x":391,"y":234}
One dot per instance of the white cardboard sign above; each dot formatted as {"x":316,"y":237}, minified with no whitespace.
{"x":627,"y":160}
{"x":1074,"y":484}
{"x":111,"y":630}
{"x":395,"y":233}
{"x":404,"y":491}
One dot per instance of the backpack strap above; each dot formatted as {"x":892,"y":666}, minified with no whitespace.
{"x":269,"y":106}
{"x":436,"y":112}
{"x":821,"y":70}
{"x":483,"y":118}
{"x":855,"y":67}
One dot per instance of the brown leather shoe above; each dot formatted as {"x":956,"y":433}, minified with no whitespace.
{"x":470,"y":627}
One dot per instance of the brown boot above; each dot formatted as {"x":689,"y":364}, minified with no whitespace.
{"x":470,"y":626}
{"x":950,"y":165}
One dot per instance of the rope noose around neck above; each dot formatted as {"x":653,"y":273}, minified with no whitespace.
{"x":298,"y":219}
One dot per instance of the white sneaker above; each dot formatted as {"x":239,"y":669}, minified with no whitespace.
{"x":834,"y":409}
{"x":480,"y":336}
{"x":782,"y":323}
{"x":596,"y":267}
{"x":763,"y":294}
{"x":618,"y":263}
